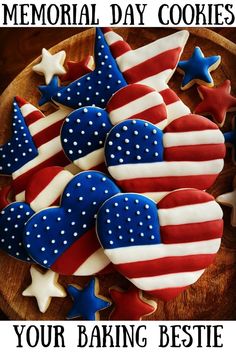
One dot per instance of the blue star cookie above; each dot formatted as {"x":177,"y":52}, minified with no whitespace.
{"x":20,"y":148}
{"x":12,"y":222}
{"x":97,"y":87}
{"x":47,"y":91}
{"x":63,"y":238}
{"x":197,"y":69}
{"x":87,"y":303}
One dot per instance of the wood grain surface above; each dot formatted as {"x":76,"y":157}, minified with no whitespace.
{"x":214,"y":295}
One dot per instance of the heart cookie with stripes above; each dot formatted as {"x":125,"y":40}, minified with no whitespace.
{"x":161,"y":248}
{"x":64,"y":238}
{"x":187,"y":154}
{"x":84,"y":130}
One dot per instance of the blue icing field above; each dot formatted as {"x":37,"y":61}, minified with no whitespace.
{"x":52,"y":231}
{"x":86,"y":303}
{"x":97,"y":87}
{"x":197,"y":67}
{"x":20,"y":149}
{"x":134,"y":141}
{"x":128,"y":219}
{"x":84,"y":131}
{"x":12,"y":222}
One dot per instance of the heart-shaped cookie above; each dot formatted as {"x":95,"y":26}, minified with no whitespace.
{"x":84,"y":131}
{"x":12,"y":221}
{"x":161,"y":248}
{"x":188,"y":154}
{"x":63,"y":238}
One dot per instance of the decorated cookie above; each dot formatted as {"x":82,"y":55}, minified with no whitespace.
{"x":216,"y":102}
{"x":47,"y":91}
{"x":152,"y":65}
{"x":142,"y":158}
{"x":197,"y":69}
{"x":44,"y":190}
{"x":229,"y":199}
{"x":230,"y":139}
{"x":50,"y":65}
{"x":77,"y":69}
{"x":35,"y":144}
{"x":44,"y":287}
{"x":64,"y":238}
{"x":96,"y":87}
{"x":84,"y":130}
{"x":46,"y":187}
{"x":130,"y":304}
{"x":161,"y":248}
{"x":12,"y":221}
{"x":87,"y":302}
{"x":5,"y":196}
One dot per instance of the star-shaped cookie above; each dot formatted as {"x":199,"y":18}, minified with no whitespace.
{"x":77,"y":69}
{"x":44,"y":287}
{"x":197,"y":69}
{"x":86,"y":301}
{"x":47,"y":91}
{"x":50,"y":65}
{"x":130,"y":304}
{"x":229,"y":199}
{"x":216,"y":102}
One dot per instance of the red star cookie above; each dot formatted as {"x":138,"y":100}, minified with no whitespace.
{"x":130,"y":304}
{"x":77,"y":69}
{"x":216,"y":101}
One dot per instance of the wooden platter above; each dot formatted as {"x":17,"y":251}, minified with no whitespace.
{"x":213,"y":297}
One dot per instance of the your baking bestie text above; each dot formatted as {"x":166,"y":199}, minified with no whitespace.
{"x":151,"y":13}
{"x":148,"y":335}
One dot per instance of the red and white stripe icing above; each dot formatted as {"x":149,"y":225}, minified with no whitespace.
{"x":191,"y":228}
{"x":45,"y":132}
{"x":194,"y":150}
{"x":46,"y":187}
{"x":152,"y":65}
{"x":139,"y":102}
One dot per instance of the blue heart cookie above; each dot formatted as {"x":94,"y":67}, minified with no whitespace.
{"x":12,"y":222}
{"x":83,"y":136}
{"x":64,"y":238}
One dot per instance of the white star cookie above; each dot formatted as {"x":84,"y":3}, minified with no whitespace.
{"x":229,"y":199}
{"x":44,"y":287}
{"x":50,"y":65}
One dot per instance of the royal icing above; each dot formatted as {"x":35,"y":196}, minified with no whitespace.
{"x":12,"y":221}
{"x":229,"y":199}
{"x":188,"y":153}
{"x":130,"y":304}
{"x":44,"y":287}
{"x":84,"y":131}
{"x":35,"y":144}
{"x":50,"y":65}
{"x":96,"y":87}
{"x":47,"y":91}
{"x":87,"y":302}
{"x":152,"y":65}
{"x":77,"y":69}
{"x":161,"y":248}
{"x":197,"y":69}
{"x":216,"y":101}
{"x":64,"y":238}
